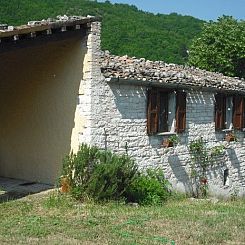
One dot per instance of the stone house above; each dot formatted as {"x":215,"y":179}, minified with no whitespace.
{"x":146,"y":102}
{"x":58,"y":90}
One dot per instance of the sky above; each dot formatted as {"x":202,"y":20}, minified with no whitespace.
{"x":202,"y":9}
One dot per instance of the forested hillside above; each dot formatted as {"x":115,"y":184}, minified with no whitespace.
{"x":125,"y":29}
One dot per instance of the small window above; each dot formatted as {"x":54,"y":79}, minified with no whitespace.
{"x":220,"y":111}
{"x":229,"y":112}
{"x":164,"y":109}
{"x":226,"y":177}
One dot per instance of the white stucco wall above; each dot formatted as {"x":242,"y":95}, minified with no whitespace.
{"x":39,"y":88}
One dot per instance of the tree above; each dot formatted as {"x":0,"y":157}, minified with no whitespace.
{"x":220,"y":47}
{"x":125,"y":29}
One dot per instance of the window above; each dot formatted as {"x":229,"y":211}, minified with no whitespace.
{"x":164,"y":109}
{"x":229,"y":112}
{"x":220,"y":111}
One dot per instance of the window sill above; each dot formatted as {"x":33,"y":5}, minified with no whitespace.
{"x":166,"y":133}
{"x":227,"y":130}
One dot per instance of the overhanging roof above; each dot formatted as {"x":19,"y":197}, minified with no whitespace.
{"x":158,"y":73}
{"x":49,"y":27}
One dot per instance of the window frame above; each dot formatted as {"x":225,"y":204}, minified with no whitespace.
{"x":237,"y":115}
{"x":220,"y":111}
{"x":154,"y":110}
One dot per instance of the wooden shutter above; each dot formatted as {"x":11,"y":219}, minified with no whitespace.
{"x":238,"y":109}
{"x":220,"y":111}
{"x":152,"y":112}
{"x":180,"y":112}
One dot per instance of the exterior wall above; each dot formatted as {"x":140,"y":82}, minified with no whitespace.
{"x":91,"y":73}
{"x":39,"y":87}
{"x":53,"y":97}
{"x":118,"y":115}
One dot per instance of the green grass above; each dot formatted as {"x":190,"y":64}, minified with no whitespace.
{"x":52,"y":219}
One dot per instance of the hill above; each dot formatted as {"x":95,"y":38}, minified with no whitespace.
{"x":125,"y":29}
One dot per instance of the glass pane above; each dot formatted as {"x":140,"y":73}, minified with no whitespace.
{"x":153,"y":101}
{"x":163,"y":113}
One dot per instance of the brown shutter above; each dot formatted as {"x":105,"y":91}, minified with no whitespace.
{"x":180,"y":112}
{"x":152,"y":112}
{"x":220,"y":111}
{"x":238,"y":108}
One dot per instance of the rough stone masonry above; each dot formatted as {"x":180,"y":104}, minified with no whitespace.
{"x":117,"y":115}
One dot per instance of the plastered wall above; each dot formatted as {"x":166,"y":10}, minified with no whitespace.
{"x":39,"y":89}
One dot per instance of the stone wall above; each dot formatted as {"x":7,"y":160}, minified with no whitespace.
{"x":91,"y":72}
{"x":118,"y":123}
{"x":114,"y":118}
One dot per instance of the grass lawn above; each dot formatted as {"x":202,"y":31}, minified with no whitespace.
{"x":48,"y":219}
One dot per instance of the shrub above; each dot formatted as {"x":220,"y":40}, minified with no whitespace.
{"x":98,"y":174}
{"x":78,"y":168}
{"x":111,"y":176}
{"x":102,"y":175}
{"x":149,"y":188}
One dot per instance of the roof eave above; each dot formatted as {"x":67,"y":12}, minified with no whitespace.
{"x":174,"y":86}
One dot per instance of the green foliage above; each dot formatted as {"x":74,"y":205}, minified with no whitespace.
{"x":111,"y":176}
{"x":149,"y":188}
{"x":30,"y":221}
{"x":98,"y":174}
{"x":57,"y":200}
{"x":174,"y":139}
{"x":78,"y":168}
{"x":202,"y":158}
{"x":125,"y":29}
{"x":220,"y":47}
{"x":217,"y":150}
{"x":102,"y":175}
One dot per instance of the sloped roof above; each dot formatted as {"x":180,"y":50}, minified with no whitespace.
{"x":163,"y":74}
{"x":43,"y":27}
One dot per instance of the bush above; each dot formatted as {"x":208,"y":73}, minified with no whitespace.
{"x":111,"y":176}
{"x":77,"y":168}
{"x":149,"y":188}
{"x":98,"y":174}
{"x":102,"y":175}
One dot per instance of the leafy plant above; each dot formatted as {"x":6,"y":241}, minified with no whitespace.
{"x":220,"y":47}
{"x":111,"y":176}
{"x":202,"y":158}
{"x":102,"y":175}
{"x":77,"y":168}
{"x":217,"y":150}
{"x":174,"y":139}
{"x":98,"y":174}
{"x":149,"y":188}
